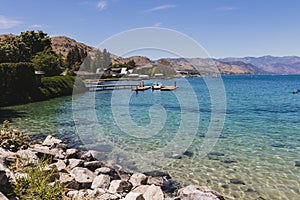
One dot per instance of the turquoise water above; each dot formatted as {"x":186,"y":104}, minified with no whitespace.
{"x":258,"y":145}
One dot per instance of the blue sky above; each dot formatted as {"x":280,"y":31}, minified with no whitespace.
{"x":223,"y":27}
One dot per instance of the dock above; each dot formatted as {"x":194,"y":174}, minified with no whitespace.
{"x":111,"y":86}
{"x":168,"y":88}
{"x":141,"y":88}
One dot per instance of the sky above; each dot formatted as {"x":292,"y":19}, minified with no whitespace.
{"x":224,"y":28}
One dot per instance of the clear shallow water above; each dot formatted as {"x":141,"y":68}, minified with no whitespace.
{"x":259,"y":144}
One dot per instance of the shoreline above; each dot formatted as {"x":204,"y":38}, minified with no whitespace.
{"x":85,"y":177}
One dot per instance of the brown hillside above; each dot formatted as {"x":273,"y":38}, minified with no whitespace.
{"x":62,"y":45}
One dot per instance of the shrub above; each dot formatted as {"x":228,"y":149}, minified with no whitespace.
{"x":12,"y":139}
{"x":38,"y":182}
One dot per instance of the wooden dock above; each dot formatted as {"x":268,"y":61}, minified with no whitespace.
{"x":168,"y":88}
{"x":141,"y":88}
{"x":111,"y":86}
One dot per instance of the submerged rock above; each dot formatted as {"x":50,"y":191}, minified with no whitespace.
{"x":297,"y":163}
{"x":236,"y":181}
{"x":193,"y":192}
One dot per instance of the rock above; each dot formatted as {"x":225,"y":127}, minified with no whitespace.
{"x":188,"y":153}
{"x":108,"y":196}
{"x":91,"y":194}
{"x":138,"y":179}
{"x":149,"y":192}
{"x":101,"y":181}
{"x":71,"y":153}
{"x":60,"y":165}
{"x":28,"y":156}
{"x":216,"y":153}
{"x":87,"y":156}
{"x":158,"y":181}
{"x":92,"y":165}
{"x":193,"y":192}
{"x":119,"y":186}
{"x":47,"y":153}
{"x":74,"y":163}
{"x":297,"y":163}
{"x":158,"y":173}
{"x":236,"y":181}
{"x":73,"y":194}
{"x":2,"y":197}
{"x":51,"y":141}
{"x":68,"y":181}
{"x":169,"y":186}
{"x":134,"y":196}
{"x":153,"y":192}
{"x":102,"y":170}
{"x":83,"y":176}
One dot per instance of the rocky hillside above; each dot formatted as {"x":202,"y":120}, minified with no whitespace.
{"x":271,"y":64}
{"x":62,"y":45}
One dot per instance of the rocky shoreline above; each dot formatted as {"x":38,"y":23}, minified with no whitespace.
{"x":87,"y":178}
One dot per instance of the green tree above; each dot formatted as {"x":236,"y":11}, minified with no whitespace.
{"x":48,"y":62}
{"x":131,"y":64}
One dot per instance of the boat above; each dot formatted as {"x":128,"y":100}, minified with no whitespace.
{"x":156,"y":86}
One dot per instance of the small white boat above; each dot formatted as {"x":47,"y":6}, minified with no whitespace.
{"x":156,"y":86}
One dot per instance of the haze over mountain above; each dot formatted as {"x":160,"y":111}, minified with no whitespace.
{"x":230,"y":65}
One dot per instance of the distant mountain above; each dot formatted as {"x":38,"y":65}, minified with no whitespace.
{"x":230,"y":65}
{"x":213,"y":66}
{"x":271,"y":64}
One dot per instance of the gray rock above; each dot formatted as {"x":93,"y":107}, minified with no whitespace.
{"x":4,"y":180}
{"x":108,"y":196}
{"x":193,"y":192}
{"x":73,"y":194}
{"x":236,"y":181}
{"x":158,"y":181}
{"x":83,"y":176}
{"x":71,"y":153}
{"x":102,"y":170}
{"x":68,"y":181}
{"x":153,"y":192}
{"x":87,"y":156}
{"x":101,"y":181}
{"x":28,"y":156}
{"x":149,"y":192}
{"x":74,"y":163}
{"x":134,"y":196}
{"x":138,"y":179}
{"x":46,"y":152}
{"x":51,"y":141}
{"x":60,"y":165}
{"x":91,"y":194}
{"x":119,"y":186}
{"x":92,"y":165}
{"x":297,"y":163}
{"x":3,"y":197}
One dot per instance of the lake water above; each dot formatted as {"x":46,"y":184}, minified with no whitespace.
{"x":258,"y":145}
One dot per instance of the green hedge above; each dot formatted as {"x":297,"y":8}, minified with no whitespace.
{"x":56,"y":86}
{"x":17,"y":82}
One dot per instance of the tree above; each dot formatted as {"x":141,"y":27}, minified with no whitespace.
{"x":35,"y":41}
{"x":48,"y":62}
{"x":131,"y":64}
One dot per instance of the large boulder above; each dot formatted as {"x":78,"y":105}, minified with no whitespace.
{"x":138,"y":179}
{"x":83,"y":176}
{"x":193,"y":192}
{"x":101,"y":181}
{"x":149,"y":192}
{"x":119,"y":186}
{"x":51,"y":141}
